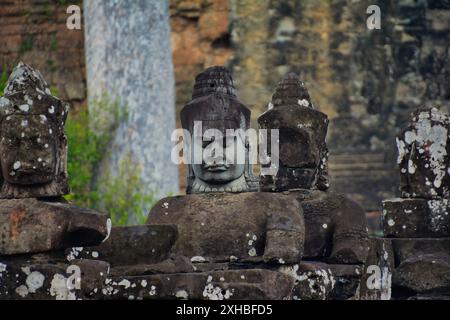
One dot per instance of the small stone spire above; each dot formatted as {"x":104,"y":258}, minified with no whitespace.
{"x":290,"y":90}
{"x":24,"y":77}
{"x":214,"y":79}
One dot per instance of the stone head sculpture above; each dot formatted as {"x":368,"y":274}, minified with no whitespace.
{"x":33,"y":146}
{"x":216,"y":117}
{"x":424,"y":155}
{"x":302,"y":130}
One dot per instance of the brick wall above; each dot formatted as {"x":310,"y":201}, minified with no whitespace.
{"x":34,"y":31}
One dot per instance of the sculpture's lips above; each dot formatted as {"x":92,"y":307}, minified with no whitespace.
{"x":216,"y":168}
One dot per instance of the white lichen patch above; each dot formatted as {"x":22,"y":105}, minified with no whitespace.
{"x":152,"y":291}
{"x":59,"y":288}
{"x":125,"y":283}
{"x":303,"y":102}
{"x":16,"y":165}
{"x":198,"y":259}
{"x":252,"y":252}
{"x":24,"y":108}
{"x":4,"y":102}
{"x":74,"y":252}
{"x":391,"y":222}
{"x":182,"y":294}
{"x":22,"y":291}
{"x":439,"y":211}
{"x":211,"y":292}
{"x":94,"y":254}
{"x":35,"y":280}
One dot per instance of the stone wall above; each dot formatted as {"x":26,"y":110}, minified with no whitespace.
{"x":367,"y":81}
{"x":35,"y":32}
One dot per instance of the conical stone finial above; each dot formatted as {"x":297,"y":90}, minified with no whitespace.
{"x":23,"y":78}
{"x":291,"y":90}
{"x":214,"y":79}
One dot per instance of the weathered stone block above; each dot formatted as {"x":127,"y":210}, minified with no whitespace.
{"x":254,"y":284}
{"x":220,"y":227}
{"x":409,"y":247}
{"x":416,"y":218}
{"x":175,"y":264}
{"x":51,"y":280}
{"x":30,"y":225}
{"x":336,"y":227}
{"x":427,"y":273}
{"x":321,"y":281}
{"x":376,"y":282}
{"x":147,"y":244}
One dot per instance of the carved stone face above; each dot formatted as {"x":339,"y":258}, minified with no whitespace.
{"x":220,"y":159}
{"x":33,"y":146}
{"x":28,"y":150}
{"x":218,"y":149}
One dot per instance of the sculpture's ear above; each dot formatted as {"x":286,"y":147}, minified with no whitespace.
{"x":322,"y":180}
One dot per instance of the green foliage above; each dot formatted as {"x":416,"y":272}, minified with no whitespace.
{"x":54,"y":91}
{"x":123,"y":196}
{"x":85,"y":152}
{"x":3,"y":80}
{"x":53,"y":43}
{"x":120,"y":193}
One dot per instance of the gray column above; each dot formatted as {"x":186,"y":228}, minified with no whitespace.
{"x":129,"y":58}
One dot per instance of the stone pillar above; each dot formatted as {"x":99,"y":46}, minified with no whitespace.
{"x":129,"y":59}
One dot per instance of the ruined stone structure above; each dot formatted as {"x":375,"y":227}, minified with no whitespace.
{"x":36,"y":223}
{"x":419,"y":222}
{"x":294,"y":240}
